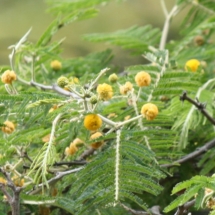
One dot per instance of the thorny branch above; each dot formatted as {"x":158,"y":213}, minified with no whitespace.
{"x":155,"y":210}
{"x":14,"y":198}
{"x":192,"y":155}
{"x":183,"y":208}
{"x":200,"y":106}
{"x":53,"y":180}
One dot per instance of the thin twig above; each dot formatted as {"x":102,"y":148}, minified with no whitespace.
{"x":86,"y":154}
{"x":192,"y":155}
{"x":155,"y":210}
{"x":163,"y":5}
{"x":53,"y":180}
{"x":183,"y":208}
{"x":70,"y":163}
{"x":14,"y":198}
{"x":200,"y":106}
{"x":165,"y":31}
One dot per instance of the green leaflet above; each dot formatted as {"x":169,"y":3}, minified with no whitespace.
{"x":135,"y":38}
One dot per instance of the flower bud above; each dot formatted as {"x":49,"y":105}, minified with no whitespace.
{"x":199,"y":40}
{"x":150,"y":111}
{"x":98,"y":144}
{"x":56,"y":65}
{"x":192,"y":65}
{"x":124,"y":89}
{"x":71,"y":150}
{"x":8,"y":77}
{"x":93,"y":100}
{"x":142,"y":79}
{"x":8,"y":127}
{"x":62,"y":81}
{"x":113,"y":78}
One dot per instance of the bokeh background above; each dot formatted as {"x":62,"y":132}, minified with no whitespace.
{"x":18,"y":16}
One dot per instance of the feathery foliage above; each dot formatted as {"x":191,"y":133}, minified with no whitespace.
{"x":79,"y":139}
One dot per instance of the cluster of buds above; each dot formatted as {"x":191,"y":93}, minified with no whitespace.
{"x":73,"y":147}
{"x":96,"y":144}
{"x":8,"y":127}
{"x":8,"y":77}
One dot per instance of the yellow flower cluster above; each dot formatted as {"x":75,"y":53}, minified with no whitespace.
{"x":92,"y":122}
{"x":56,"y":65}
{"x":19,"y":182}
{"x":192,"y":65}
{"x":124,"y":89}
{"x":8,"y":127}
{"x":8,"y":77}
{"x":142,"y":79}
{"x":149,"y":111}
{"x":97,"y":144}
{"x":105,"y":91}
{"x":72,"y":149}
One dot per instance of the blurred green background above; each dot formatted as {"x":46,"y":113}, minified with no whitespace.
{"x":17,"y":16}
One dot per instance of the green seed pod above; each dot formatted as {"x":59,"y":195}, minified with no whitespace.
{"x":62,"y":81}
{"x":113,"y":78}
{"x":93,"y":100}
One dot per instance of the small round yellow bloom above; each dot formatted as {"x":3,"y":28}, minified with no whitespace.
{"x":124,"y":89}
{"x":150,"y":111}
{"x":98,"y":144}
{"x":192,"y":65}
{"x":105,"y":91}
{"x":8,"y":127}
{"x":56,"y":65}
{"x":8,"y":77}
{"x":113,"y":78}
{"x":92,"y":122}
{"x":142,"y":79}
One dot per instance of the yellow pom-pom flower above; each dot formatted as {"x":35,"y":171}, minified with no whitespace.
{"x":192,"y":65}
{"x":105,"y":91}
{"x":97,"y":144}
{"x":142,"y":79}
{"x":149,"y":111}
{"x":56,"y":65}
{"x":124,"y":89}
{"x":8,"y":127}
{"x":8,"y":77}
{"x":92,"y":122}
